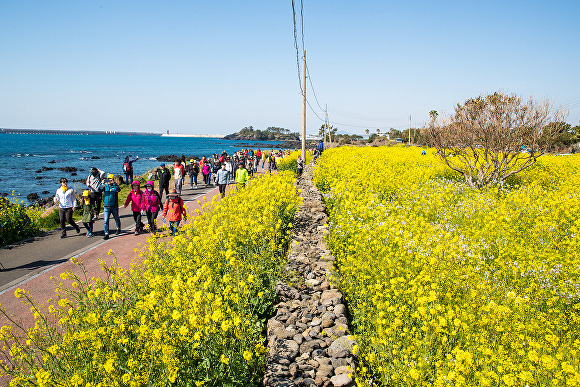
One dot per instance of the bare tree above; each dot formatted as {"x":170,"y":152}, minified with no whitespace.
{"x":492,"y":137}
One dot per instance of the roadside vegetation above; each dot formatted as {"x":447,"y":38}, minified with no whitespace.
{"x":450,"y":285}
{"x":192,"y":314}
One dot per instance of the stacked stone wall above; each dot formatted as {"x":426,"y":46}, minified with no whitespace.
{"x":309,"y":339}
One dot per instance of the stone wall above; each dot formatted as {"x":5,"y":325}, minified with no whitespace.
{"x":309,"y":339}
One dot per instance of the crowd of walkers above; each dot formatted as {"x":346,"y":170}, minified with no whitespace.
{"x":219,"y":170}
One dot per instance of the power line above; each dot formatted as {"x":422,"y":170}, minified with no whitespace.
{"x":296,"y":46}
{"x":302,"y":22}
{"x":312,"y":87}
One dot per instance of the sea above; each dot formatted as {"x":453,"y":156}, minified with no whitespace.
{"x":23,"y":156}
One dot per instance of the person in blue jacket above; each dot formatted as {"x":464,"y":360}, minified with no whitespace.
{"x":320,"y":147}
{"x":128,"y":169}
{"x":110,"y":191}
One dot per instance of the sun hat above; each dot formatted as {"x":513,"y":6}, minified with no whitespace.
{"x":172,"y":193}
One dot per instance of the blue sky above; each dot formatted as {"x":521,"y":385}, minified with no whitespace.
{"x":215,"y":67}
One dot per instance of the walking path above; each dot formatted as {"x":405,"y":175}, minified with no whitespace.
{"x":32,"y":264}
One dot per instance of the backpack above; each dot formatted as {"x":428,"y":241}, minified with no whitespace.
{"x":126,"y":167}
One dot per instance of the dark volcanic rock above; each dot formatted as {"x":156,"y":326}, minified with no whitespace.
{"x":67,"y":169}
{"x":45,"y":192}
{"x":95,"y":157}
{"x":32,"y":197}
{"x":52,"y":162}
{"x":46,"y":168}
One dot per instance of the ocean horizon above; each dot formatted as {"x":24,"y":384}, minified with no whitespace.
{"x":23,"y":156}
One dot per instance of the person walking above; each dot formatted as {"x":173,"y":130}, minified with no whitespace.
{"x":128,"y":169}
{"x":195,"y":173}
{"x":174,"y":210}
{"x":320,"y":147}
{"x":67,"y":201}
{"x":88,"y":213}
{"x":164,"y":176}
{"x":205,"y":171}
{"x":223,"y":177}
{"x":135,"y":197}
{"x":110,"y":191}
{"x":178,"y":173}
{"x":242,"y":176}
{"x":152,"y":203}
{"x":93,"y":182}
{"x":299,"y":166}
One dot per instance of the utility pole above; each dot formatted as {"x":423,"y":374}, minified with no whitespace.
{"x":326,"y":123}
{"x":409,"y":129}
{"x":303,"y":105}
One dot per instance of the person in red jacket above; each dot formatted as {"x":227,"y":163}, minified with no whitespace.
{"x":174,"y":210}
{"x":135,"y":197}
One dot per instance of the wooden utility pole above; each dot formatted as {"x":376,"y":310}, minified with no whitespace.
{"x":409,"y":130}
{"x":304,"y":105}
{"x":326,"y":130}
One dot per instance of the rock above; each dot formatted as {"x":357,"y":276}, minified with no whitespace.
{"x":95,"y":157}
{"x":312,"y":282}
{"x":316,"y":321}
{"x":308,"y":346}
{"x":341,"y":380}
{"x":32,"y":197}
{"x":339,"y":309}
{"x":52,"y":162}
{"x":67,"y":169}
{"x":342,"y":344}
{"x":288,"y":349}
{"x":342,"y":370}
{"x":325,"y":370}
{"x":298,"y":338}
{"x":283,"y":333}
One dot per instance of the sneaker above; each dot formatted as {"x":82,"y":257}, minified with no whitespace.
{"x":106,"y":237}
{"x":96,"y":217}
{"x":90,"y":234}
{"x":191,"y":187}
{"x":137,"y":232}
{"x":78,"y":230}
{"x":117,"y":232}
{"x":196,"y":186}
{"x":63,"y":235}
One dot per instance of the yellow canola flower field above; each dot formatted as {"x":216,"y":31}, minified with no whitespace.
{"x":450,"y":286}
{"x":192,"y":314}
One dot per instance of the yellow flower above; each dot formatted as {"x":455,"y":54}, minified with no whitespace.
{"x":109,"y":365}
{"x":225,"y":360}
{"x":247,"y":355}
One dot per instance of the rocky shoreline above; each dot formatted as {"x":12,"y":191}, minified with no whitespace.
{"x":309,"y":338}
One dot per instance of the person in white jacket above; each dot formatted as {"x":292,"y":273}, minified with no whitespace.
{"x":67,"y":201}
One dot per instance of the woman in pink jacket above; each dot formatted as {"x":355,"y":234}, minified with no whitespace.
{"x":137,"y":205}
{"x":152,"y":204}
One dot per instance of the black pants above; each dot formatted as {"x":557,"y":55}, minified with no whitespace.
{"x":222,"y":188}
{"x":137,"y":218}
{"x":96,"y":201}
{"x":151,"y":216}
{"x":65,"y":215}
{"x":88,"y":227}
{"x":162,"y":188}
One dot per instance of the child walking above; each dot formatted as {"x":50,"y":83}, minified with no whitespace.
{"x":88,"y":213}
{"x":174,"y":210}
{"x":135,"y":197}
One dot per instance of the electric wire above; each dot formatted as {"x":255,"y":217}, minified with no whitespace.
{"x":312,"y":87}
{"x":296,"y":46}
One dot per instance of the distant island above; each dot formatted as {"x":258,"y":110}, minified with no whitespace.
{"x":270,"y":134}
